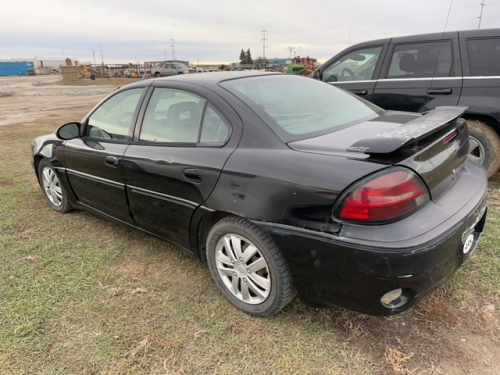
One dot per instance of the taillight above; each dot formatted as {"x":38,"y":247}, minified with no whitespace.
{"x":381,"y":198}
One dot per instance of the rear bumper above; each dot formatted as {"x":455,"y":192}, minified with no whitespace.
{"x":356,"y":272}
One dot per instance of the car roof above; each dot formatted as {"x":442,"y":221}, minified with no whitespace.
{"x":418,"y":37}
{"x":212,"y":78}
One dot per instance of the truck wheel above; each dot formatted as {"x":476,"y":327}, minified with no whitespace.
{"x":484,"y":146}
{"x":157,"y":75}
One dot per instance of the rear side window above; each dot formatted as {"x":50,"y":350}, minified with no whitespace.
{"x":172,"y":116}
{"x":176,"y":116}
{"x":421,"y":60}
{"x":484,"y":56}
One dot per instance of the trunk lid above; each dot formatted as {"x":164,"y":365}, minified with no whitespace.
{"x":434,"y":144}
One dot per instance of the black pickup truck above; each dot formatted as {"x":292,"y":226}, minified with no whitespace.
{"x":420,"y":72}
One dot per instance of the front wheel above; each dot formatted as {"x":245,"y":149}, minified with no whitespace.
{"x":157,"y":75}
{"x":52,"y":188}
{"x":484,"y":146}
{"x":248,"y":267}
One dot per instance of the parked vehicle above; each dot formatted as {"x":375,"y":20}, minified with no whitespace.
{"x":171,"y":69}
{"x":295,"y":69}
{"x":421,"y":72}
{"x":281,"y":183}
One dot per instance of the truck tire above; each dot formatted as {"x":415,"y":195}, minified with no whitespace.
{"x":484,"y":146}
{"x":157,"y":75}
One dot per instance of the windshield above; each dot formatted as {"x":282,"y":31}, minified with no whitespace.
{"x":299,"y":107}
{"x":180,"y":66}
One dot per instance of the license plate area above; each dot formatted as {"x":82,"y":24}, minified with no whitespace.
{"x":472,"y":235}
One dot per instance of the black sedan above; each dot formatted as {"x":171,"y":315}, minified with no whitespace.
{"x":282,"y":184}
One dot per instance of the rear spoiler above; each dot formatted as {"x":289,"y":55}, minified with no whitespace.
{"x":391,"y":140}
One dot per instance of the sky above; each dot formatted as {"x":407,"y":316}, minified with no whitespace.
{"x":215,"y":31}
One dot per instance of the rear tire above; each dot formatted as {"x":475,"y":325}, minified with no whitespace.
{"x":52,"y":189}
{"x":157,"y":75}
{"x":248,"y":268}
{"x":484,"y":146}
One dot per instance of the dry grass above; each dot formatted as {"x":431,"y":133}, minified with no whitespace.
{"x":80,"y":295}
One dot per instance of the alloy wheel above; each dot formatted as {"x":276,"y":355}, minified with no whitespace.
{"x":52,"y":186}
{"x":243,"y":269}
{"x":477,"y":152}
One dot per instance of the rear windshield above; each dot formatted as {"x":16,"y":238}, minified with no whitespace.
{"x":300,"y":107}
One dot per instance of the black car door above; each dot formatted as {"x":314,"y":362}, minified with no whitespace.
{"x":420,"y":75}
{"x":355,"y":70}
{"x":177,"y":156}
{"x":94,"y":161}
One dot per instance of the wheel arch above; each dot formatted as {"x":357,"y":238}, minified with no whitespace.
{"x":36,"y":162}
{"x":488,"y":120}
{"x":205,"y":224}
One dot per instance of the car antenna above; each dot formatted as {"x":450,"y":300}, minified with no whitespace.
{"x":441,"y":45}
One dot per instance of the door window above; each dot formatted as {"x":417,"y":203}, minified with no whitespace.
{"x":112,"y":120}
{"x":421,"y":60}
{"x":175,"y":116}
{"x":484,"y":56}
{"x":214,"y":128}
{"x":357,"y":65}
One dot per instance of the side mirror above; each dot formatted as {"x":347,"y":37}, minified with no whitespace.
{"x":316,"y":74}
{"x":68,"y":131}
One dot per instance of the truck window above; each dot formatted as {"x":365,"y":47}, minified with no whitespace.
{"x":357,"y":65}
{"x":421,"y":60}
{"x":484,"y":56}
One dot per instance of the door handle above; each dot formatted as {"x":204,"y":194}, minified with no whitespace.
{"x":440,"y":91}
{"x":361,"y":92}
{"x":111,"y":161}
{"x":192,"y":175}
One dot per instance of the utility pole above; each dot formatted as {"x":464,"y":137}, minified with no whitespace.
{"x":290,"y":49}
{"x":483,"y":4}
{"x":172,"y":40}
{"x":93,"y":53}
{"x":102,"y":61}
{"x":263,"y":32}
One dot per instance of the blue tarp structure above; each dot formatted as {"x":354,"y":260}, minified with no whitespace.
{"x":15,"y":68}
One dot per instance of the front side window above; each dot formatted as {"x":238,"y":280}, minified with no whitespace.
{"x":299,"y":107}
{"x":484,"y":56}
{"x":355,"y":66}
{"x":421,"y":60}
{"x":113,"y":119}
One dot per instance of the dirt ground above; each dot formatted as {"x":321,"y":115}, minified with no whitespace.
{"x":452,"y":332}
{"x":26,"y":98}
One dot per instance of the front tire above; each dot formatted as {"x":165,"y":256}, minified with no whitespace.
{"x":484,"y":146}
{"x":52,"y":188}
{"x":157,"y":75}
{"x":248,"y":267}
